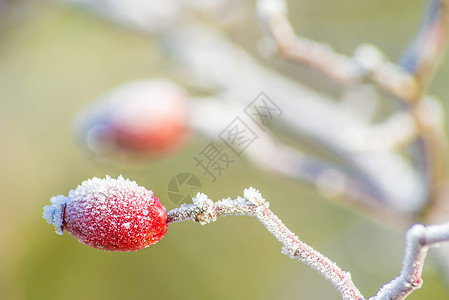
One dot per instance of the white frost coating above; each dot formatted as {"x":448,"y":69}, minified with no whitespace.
{"x":295,"y":248}
{"x":54,"y":213}
{"x":253,"y":195}
{"x":206,"y":207}
{"x":418,"y":240}
{"x":204,"y":210}
{"x":96,"y":186}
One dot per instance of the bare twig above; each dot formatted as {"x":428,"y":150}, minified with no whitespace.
{"x":423,"y":55}
{"x":418,"y":240}
{"x":431,"y":157}
{"x":421,"y":59}
{"x":273,"y":14}
{"x":367,"y":64}
{"x":393,"y":134}
{"x":204,"y":210}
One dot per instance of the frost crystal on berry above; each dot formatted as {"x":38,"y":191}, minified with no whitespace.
{"x":54,"y":213}
{"x":109,"y":214}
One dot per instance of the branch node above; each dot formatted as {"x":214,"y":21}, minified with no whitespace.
{"x":290,"y":251}
{"x":207,"y":209}
{"x":417,"y":235}
{"x":253,"y":195}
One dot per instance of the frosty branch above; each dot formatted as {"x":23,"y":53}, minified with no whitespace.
{"x":367,"y":64}
{"x":418,"y":240}
{"x":203,"y":210}
{"x":423,"y":55}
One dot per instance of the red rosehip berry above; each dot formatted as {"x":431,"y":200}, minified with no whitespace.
{"x":109,"y":214}
{"x":146,"y":118}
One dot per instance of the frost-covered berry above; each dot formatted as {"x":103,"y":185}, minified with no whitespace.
{"x":109,"y":214}
{"x":147,"y":118}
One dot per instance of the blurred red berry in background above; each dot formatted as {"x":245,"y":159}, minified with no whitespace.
{"x":142,"y":118}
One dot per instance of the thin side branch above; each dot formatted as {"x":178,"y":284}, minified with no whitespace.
{"x":423,"y":55}
{"x":368,"y":63}
{"x":421,"y":59}
{"x":431,"y":157}
{"x":204,"y":210}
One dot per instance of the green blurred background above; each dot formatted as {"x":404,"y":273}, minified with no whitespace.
{"x":56,"y":59}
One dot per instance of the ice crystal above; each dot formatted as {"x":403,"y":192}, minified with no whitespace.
{"x":54,"y":213}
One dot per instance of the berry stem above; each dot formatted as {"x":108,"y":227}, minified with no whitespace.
{"x":204,"y":210}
